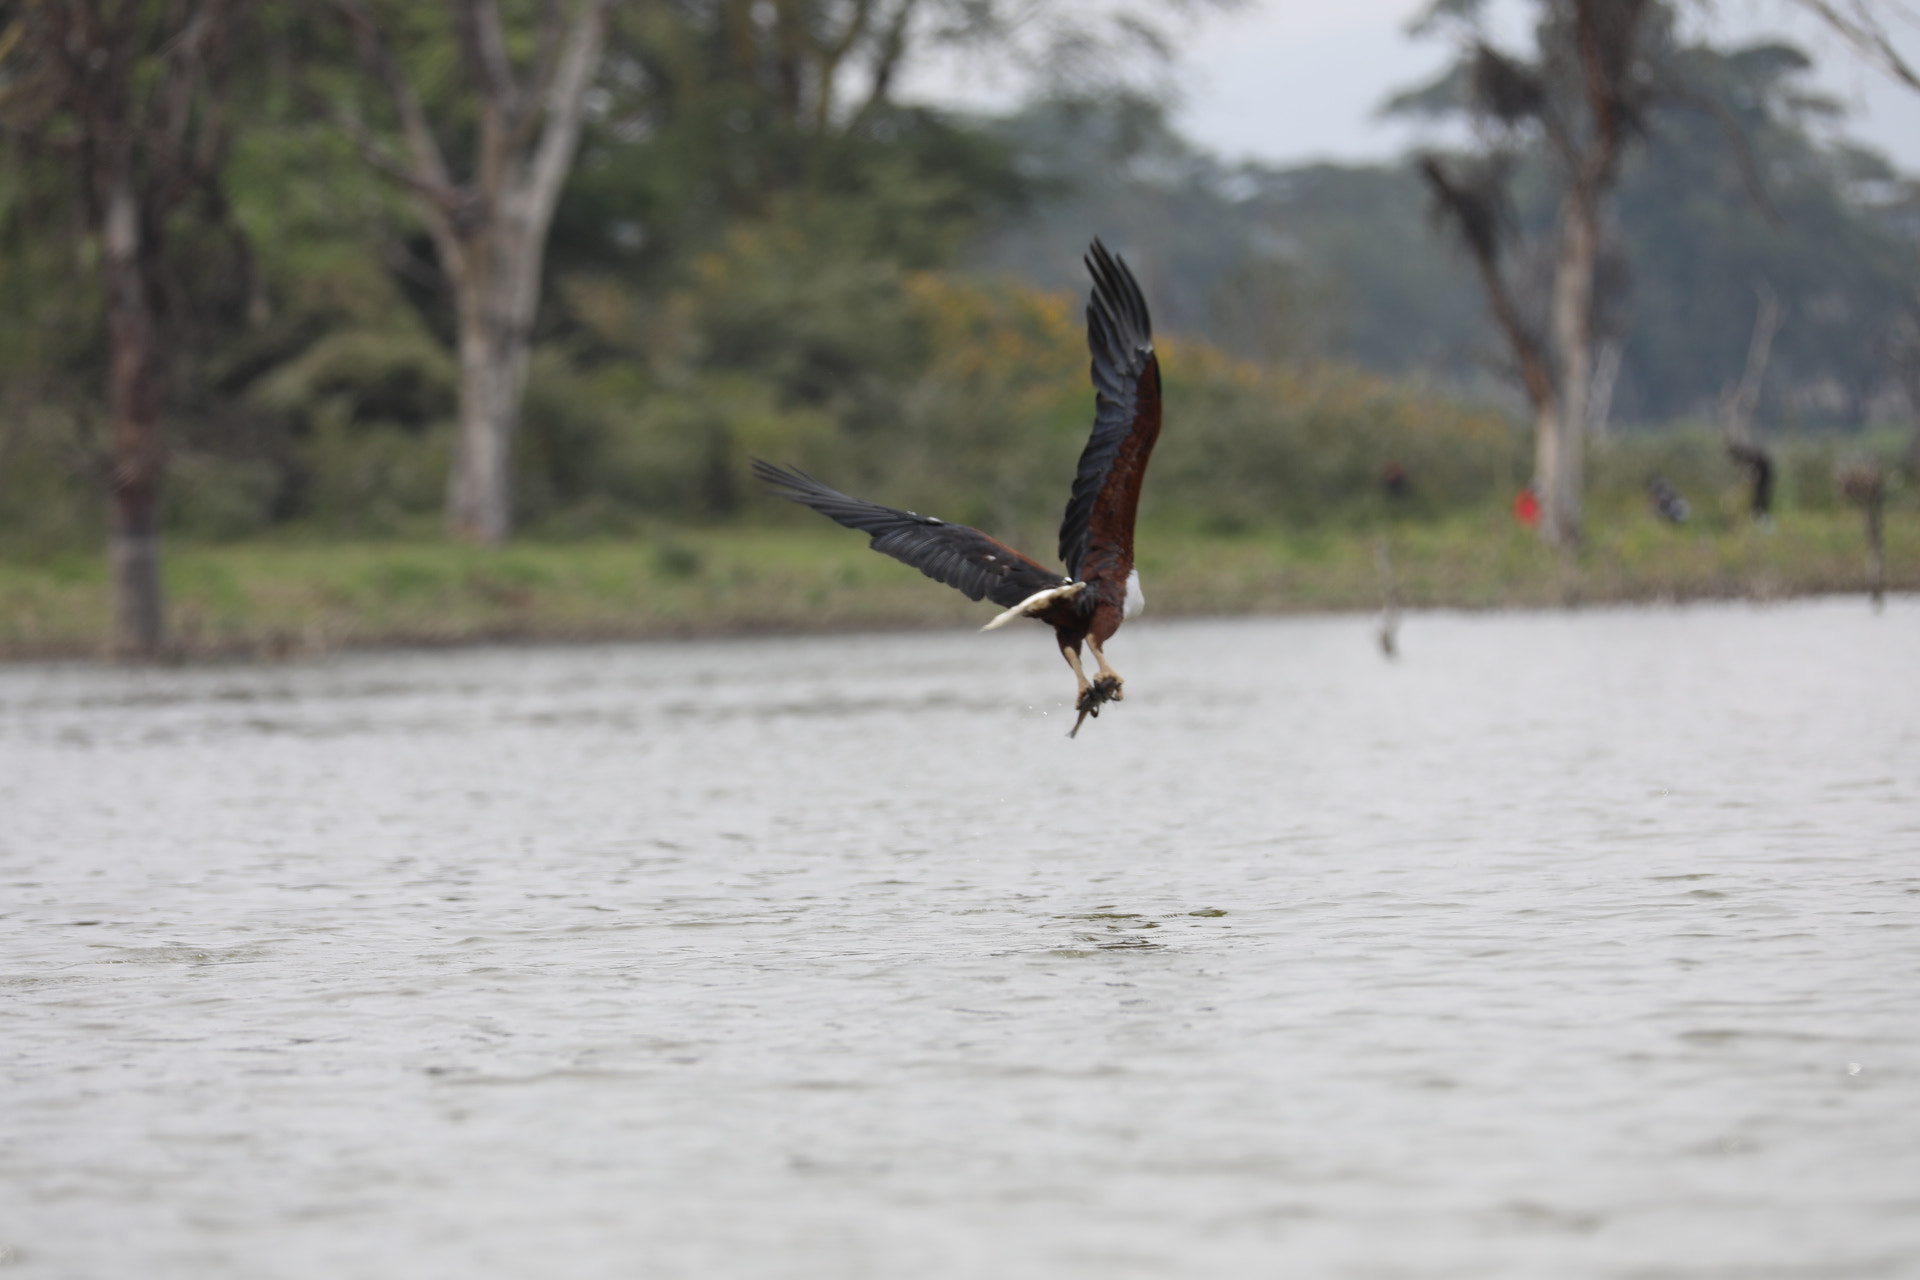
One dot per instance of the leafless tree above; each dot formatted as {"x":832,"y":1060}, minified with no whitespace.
{"x":489,"y":229}
{"x":1871,"y":26}
{"x":1906,"y":365}
{"x":1739,"y":401}
{"x":126,"y":95}
{"x":1864,"y":485}
{"x":1584,"y":98}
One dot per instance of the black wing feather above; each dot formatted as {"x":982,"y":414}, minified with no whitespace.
{"x":962,"y":557}
{"x":1120,"y":337}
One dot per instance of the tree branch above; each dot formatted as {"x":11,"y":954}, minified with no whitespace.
{"x":829,"y":55}
{"x":428,"y":171}
{"x":483,"y":45}
{"x":566,"y":102}
{"x":376,"y":154}
{"x":546,"y":54}
{"x":893,"y":47}
{"x":1750,"y":176}
{"x":1738,"y":402}
{"x":1866,"y":34}
{"x":1474,"y":212}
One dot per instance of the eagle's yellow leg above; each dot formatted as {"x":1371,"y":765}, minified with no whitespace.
{"x":1103,"y":688}
{"x":1079,"y":673}
{"x":1109,"y":679}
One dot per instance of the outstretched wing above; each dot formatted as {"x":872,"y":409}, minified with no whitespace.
{"x":1096,"y":537}
{"x":979,"y":566}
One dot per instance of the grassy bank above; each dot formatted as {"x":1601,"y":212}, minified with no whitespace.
{"x":274,"y":598}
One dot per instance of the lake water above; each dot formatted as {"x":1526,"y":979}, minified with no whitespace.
{"x":1568,"y":945}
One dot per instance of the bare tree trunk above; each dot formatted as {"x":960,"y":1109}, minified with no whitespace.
{"x":1561,"y":463}
{"x":1739,"y":403}
{"x":1606,"y":376}
{"x":496,"y":283}
{"x":127,"y":97}
{"x":136,"y":384}
{"x":1876,"y":554}
{"x":1907,"y":366}
{"x":1864,"y":486}
{"x":490,"y":232}
{"x":1546,"y":448}
{"x":1910,"y":461}
{"x":1389,"y":630}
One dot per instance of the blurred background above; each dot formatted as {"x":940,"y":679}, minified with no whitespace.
{"x":847,"y":236}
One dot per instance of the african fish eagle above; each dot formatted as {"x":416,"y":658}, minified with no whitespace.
{"x":1100,"y":588}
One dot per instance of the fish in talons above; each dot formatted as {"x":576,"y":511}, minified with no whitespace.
{"x":1102,"y":690}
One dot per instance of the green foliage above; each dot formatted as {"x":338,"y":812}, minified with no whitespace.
{"x":217,"y":499}
{"x":271,"y":597}
{"x":1705,"y":226}
{"x":49,"y":499}
{"x":1692,"y":458}
{"x":731,"y":278}
{"x":700,"y":131}
{"x":364,"y":377}
{"x":1309,"y":445}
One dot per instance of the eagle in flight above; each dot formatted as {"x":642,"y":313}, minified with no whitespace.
{"x":1100,"y":588}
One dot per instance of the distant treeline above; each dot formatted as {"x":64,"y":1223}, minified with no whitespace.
{"x":1717,"y":208}
{"x":891,"y":299}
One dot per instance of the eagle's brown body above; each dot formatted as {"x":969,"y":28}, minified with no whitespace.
{"x":1088,"y":603}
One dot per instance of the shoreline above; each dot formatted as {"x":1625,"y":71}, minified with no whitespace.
{"x":265,"y":602}
{"x":269,"y":649}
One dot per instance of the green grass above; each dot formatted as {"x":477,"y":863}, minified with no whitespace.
{"x":278,"y":597}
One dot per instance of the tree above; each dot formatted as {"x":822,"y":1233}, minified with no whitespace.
{"x":1738,"y":402}
{"x":489,"y":229}
{"x":1583,"y":96}
{"x":126,"y":96}
{"x":1870,"y":28}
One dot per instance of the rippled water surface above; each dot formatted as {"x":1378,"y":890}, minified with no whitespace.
{"x":1567,"y":946}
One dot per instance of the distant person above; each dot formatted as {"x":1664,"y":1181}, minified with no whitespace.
{"x":1526,"y":507}
{"x":1667,"y":502}
{"x":1393,"y":479}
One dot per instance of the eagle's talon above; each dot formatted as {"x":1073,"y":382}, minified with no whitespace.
{"x":1092,"y":696}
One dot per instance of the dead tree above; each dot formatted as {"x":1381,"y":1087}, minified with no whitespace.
{"x":1866,"y":26}
{"x":127,"y":97}
{"x":1472,"y":196}
{"x":489,"y":230}
{"x":1873,"y":28}
{"x":1388,"y":632}
{"x":1863,"y":486}
{"x":1584,"y":98}
{"x":802,"y":51}
{"x":1906,"y":367}
{"x":1606,"y":376}
{"x":1739,"y":401}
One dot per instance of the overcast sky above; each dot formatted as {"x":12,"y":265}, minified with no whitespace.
{"x":1286,"y":81}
